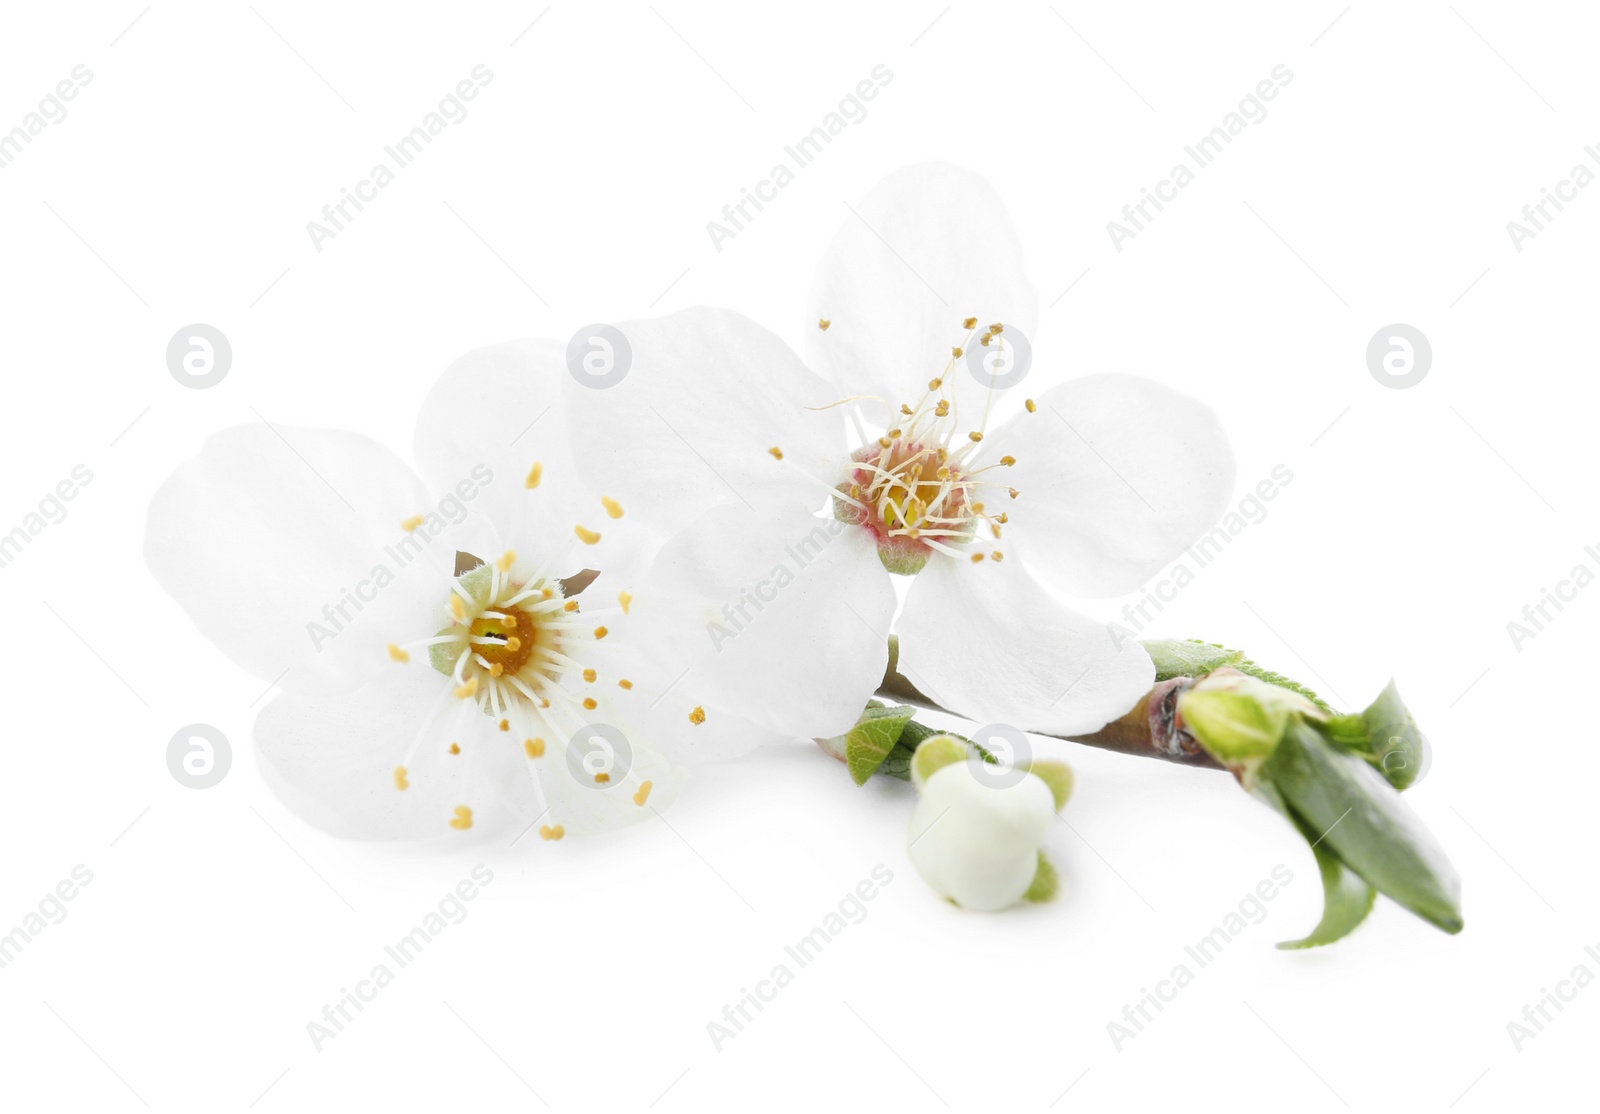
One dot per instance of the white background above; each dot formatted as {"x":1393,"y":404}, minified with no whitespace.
{"x":1418,"y":523}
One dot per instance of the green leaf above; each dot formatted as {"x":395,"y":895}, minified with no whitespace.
{"x":1396,"y":747}
{"x":1058,"y":776}
{"x":1177,"y":657}
{"x":1046,"y":882}
{"x":934,"y":754}
{"x":872,"y":738}
{"x":1346,"y":901}
{"x":1361,"y":818}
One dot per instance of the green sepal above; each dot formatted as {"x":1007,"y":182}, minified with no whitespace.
{"x":1361,"y":819}
{"x":1058,"y":776}
{"x":873,"y":737}
{"x":1346,"y":901}
{"x":1046,"y":882}
{"x":1396,"y":748}
{"x":934,"y":754}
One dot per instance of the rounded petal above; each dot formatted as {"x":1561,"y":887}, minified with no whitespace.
{"x":975,"y":843}
{"x":779,"y":618}
{"x":333,"y":760}
{"x":989,"y":643}
{"x":289,"y":550}
{"x":930,"y":246}
{"x":707,"y":396}
{"x":1117,"y":474}
{"x":492,"y":441}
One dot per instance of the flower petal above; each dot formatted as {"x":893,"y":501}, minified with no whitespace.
{"x":930,"y":246}
{"x":989,"y":643}
{"x":779,"y":618}
{"x":287,"y":549}
{"x":1117,"y":474}
{"x":708,"y":393}
{"x":492,"y":440}
{"x":332,"y":760}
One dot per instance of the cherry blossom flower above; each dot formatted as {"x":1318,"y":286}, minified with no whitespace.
{"x":424,"y":693}
{"x":792,"y":495}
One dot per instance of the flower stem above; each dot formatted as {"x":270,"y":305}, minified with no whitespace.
{"x":1151,"y":728}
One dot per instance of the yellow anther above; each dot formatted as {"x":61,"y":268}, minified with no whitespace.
{"x":997,"y":328}
{"x":534,"y":747}
{"x":777,"y":453}
{"x":505,"y":725}
{"x":1031,"y":406}
{"x":513,"y":644}
{"x":970,"y":323}
{"x":997,"y":556}
{"x":589,"y":703}
{"x":984,"y":340}
{"x":585,"y":535}
{"x":570,"y":605}
{"x":1013,"y":492}
{"x":643,"y":794}
{"x":626,"y":600}
{"x":935,"y":384}
{"x":624,"y":683}
{"x":995,"y":530}
{"x":535,"y":474}
{"x":977,"y":508}
{"x":1002,"y":518}
{"x":547,"y":593}
{"x":457,"y":608}
{"x":467,"y":690}
{"x":589,"y":675}
{"x":601,"y":778}
{"x":823,"y":324}
{"x":884,"y":442}
{"x":496,"y":668}
{"x":397,"y":653}
{"x":462,"y":820}
{"x":547,"y":832}
{"x":976,"y":557}
{"x":401,"y":782}
{"x":975,"y":436}
{"x":894,"y":434}
{"x":600,"y":632}
{"x":413,"y":522}
{"x":957,"y":353}
{"x":1008,"y":461}
{"x":698,"y":716}
{"x":906,"y":410}
{"x":507,"y":559}
{"x":509,"y":622}
{"x":455,"y":748}
{"x":613,"y":508}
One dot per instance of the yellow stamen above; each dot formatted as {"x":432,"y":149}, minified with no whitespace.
{"x":698,"y":716}
{"x":1013,"y":492}
{"x":589,"y":675}
{"x":997,"y":328}
{"x":547,"y":593}
{"x":513,"y":644}
{"x":467,"y":690}
{"x":977,"y":557}
{"x":935,"y":384}
{"x":1008,"y":461}
{"x":462,"y":820}
{"x":997,"y":556}
{"x":601,"y":778}
{"x":535,"y":474}
{"x":398,"y":654}
{"x":823,"y":324}
{"x":1031,"y":406}
{"x":970,"y":323}
{"x":534,"y":747}
{"x":589,"y":703}
{"x":400,"y":780}
{"x":777,"y":453}
{"x":505,"y":725}
{"x":613,"y":508}
{"x":643,"y":794}
{"x":509,"y":622}
{"x":626,"y":600}
{"x":625,"y":683}
{"x":547,"y":832}
{"x":957,"y":353}
{"x":495,"y":669}
{"x":975,"y":436}
{"x":457,"y":608}
{"x":600,"y":632}
{"x":585,"y":535}
{"x":413,"y":522}
{"x":455,"y":748}
{"x":570,"y":605}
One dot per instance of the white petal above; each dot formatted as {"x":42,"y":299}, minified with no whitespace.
{"x":779,"y":618}
{"x":332,"y":760}
{"x":286,"y":548}
{"x":976,"y":843}
{"x":930,"y":246}
{"x":493,"y":416}
{"x":1118,"y":474}
{"x":989,"y":643}
{"x":690,"y":426}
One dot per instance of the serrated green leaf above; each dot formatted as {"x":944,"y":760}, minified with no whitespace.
{"x":1362,"y":820}
{"x":1058,"y":776}
{"x":1046,"y":882}
{"x":1177,"y":657}
{"x":872,"y":738}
